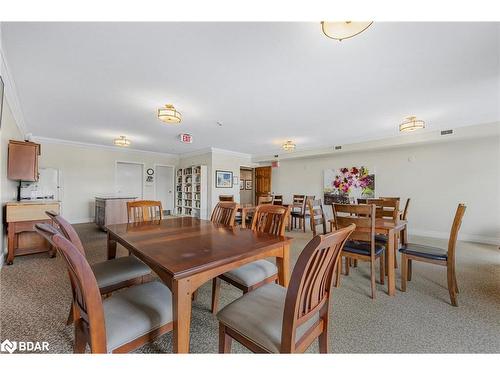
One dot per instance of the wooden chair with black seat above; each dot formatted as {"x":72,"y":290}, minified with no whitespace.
{"x":361,"y":244}
{"x":267,"y":219}
{"x":226,"y":198}
{"x":120,"y":323}
{"x":299,"y":210}
{"x":273,"y":319}
{"x":435,"y":255}
{"x":224,"y":213}
{"x":139,"y":211}
{"x":110,"y":275}
{"x":317,"y":215}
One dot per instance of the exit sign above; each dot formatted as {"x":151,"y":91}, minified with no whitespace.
{"x":186,"y":138}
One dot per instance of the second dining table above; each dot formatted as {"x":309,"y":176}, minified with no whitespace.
{"x":186,"y":252}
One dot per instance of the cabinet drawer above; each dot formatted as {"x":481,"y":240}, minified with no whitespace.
{"x":28,"y":212}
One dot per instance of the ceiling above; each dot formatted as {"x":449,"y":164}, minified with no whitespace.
{"x":265,"y":82}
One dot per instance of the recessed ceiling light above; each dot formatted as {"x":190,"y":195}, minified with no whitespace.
{"x":122,"y":141}
{"x":169,"y":114}
{"x":343,"y":30}
{"x":411,"y":123}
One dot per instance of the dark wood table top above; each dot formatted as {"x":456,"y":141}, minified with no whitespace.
{"x":185,"y":245}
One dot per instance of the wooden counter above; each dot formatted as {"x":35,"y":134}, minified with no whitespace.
{"x":21,"y":218}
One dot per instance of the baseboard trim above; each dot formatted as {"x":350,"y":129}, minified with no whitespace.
{"x":461,"y":237}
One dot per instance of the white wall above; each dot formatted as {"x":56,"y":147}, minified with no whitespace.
{"x":440,"y":176}
{"x":88,"y":171}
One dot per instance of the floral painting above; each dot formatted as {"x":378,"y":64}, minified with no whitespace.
{"x":345,"y":185}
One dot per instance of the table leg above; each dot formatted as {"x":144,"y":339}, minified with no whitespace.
{"x":181,"y":298}
{"x":283,"y":264}
{"x":391,"y":242}
{"x":243,"y":218}
{"x":111,"y":246}
{"x":11,"y":237}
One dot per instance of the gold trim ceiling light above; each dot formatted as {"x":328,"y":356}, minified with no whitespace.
{"x":122,"y":141}
{"x":410,"y":124}
{"x":169,"y":114}
{"x":343,"y":30}
{"x":288,"y":146}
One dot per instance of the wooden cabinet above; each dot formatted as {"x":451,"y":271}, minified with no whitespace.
{"x":111,"y":210}
{"x":23,"y":161}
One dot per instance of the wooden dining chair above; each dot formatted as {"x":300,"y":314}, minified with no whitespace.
{"x":267,"y":219}
{"x":224,"y":213}
{"x":226,"y":198}
{"x":111,"y":275}
{"x":299,"y":211}
{"x":317,"y":214}
{"x":265,"y":199}
{"x":435,"y":255}
{"x":361,"y":244}
{"x":278,"y":200}
{"x":273,"y":319}
{"x":404,"y":214}
{"x":119,"y":324}
{"x":139,"y":211}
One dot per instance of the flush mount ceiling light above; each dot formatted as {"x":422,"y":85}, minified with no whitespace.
{"x":343,"y":30}
{"x":288,"y":146}
{"x":169,"y":114}
{"x":122,"y":141}
{"x":410,"y":124}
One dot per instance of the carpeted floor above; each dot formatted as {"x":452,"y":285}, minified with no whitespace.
{"x":35,"y":297}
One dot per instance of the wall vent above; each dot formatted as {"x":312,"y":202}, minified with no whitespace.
{"x":446,"y":132}
{"x":338,"y":147}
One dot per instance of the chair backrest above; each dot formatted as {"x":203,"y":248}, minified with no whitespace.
{"x":361,"y":215}
{"x":317,"y":214}
{"x":309,"y":289}
{"x":264,"y":199}
{"x":457,"y":222}
{"x":270,"y":219}
{"x":224,"y":213}
{"x":391,"y":198}
{"x":278,"y":200}
{"x":404,"y":215}
{"x":67,"y":230}
{"x":138,"y":211}
{"x":386,"y":208}
{"x":86,"y":293}
{"x":226,"y":198}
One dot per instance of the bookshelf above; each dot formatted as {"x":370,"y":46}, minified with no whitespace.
{"x":191,"y":191}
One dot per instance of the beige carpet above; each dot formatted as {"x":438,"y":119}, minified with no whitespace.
{"x":35,"y":297}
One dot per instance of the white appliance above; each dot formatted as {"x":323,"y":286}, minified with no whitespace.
{"x":48,"y":186}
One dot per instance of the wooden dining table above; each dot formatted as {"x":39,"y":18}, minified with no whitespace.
{"x":393,"y":229}
{"x":186,"y":252}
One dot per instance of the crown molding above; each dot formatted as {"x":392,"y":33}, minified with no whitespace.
{"x":95,"y":145}
{"x":11,"y":92}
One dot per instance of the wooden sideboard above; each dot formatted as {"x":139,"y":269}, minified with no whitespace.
{"x":21,"y":218}
{"x":111,"y":210}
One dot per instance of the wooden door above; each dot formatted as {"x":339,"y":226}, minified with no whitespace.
{"x":262,"y":182}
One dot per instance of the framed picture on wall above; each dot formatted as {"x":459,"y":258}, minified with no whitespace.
{"x":242,"y":184}
{"x":223,"y":179}
{"x":248,"y":185}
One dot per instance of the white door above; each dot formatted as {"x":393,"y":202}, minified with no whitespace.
{"x":129,"y":179}
{"x":164,"y":180}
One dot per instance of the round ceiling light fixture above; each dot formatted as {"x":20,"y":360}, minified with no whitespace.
{"x":169,"y":114}
{"x":122,"y":141}
{"x":343,"y":30}
{"x":410,"y":124}
{"x":288,"y":146}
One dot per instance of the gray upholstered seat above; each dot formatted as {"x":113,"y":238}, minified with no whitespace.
{"x":114,"y":271}
{"x":253,"y":273}
{"x":133,"y":312}
{"x":258,"y":316}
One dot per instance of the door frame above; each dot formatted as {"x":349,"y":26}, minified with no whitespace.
{"x":143,"y":165}
{"x":173,"y":182}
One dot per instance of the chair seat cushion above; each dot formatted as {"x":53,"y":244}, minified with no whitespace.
{"x":258,"y":316}
{"x":424,"y":251}
{"x":362,"y":248}
{"x":252,"y":273}
{"x":114,"y":271}
{"x":133,"y":312}
{"x":381,"y":238}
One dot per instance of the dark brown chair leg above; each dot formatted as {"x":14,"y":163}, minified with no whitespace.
{"x":372,"y":278}
{"x":224,"y":340}
{"x":409,"y":269}
{"x":382,"y":268}
{"x":355,"y":264}
{"x":215,"y":294}
{"x":347,"y":265}
{"x":451,"y":286}
{"x":404,"y":272}
{"x":455,"y":279}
